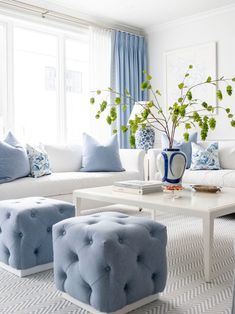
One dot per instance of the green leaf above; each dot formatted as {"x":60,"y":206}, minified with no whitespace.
{"x":233,"y":79}
{"x":149,"y":77}
{"x":110,"y":89}
{"x":158,"y":92}
{"x":219,"y":94}
{"x":186,"y":75}
{"x":230,"y":115}
{"x":144,"y":71}
{"x":124,"y":107}
{"x":127,"y":92}
{"x":150,"y":104}
{"x":118,"y":100}
{"x":190,"y":66}
{"x":222,"y":77}
{"x":92,"y":100}
{"x":98,"y":92}
{"x":109,"y":120}
{"x":189,"y":95}
{"x":180,"y":99}
{"x":124,"y":128}
{"x":132,"y":141}
{"x":233,"y":123}
{"x":187,"y":126}
{"x":229,"y":90}
{"x":97,"y":116}
{"x":181,"y":85}
{"x":144,"y":85}
{"x":113,"y":113}
{"x":204,"y":105}
{"x":228,"y":110}
{"x":212,"y":123}
{"x":186,"y":136}
{"x":208,"y":80}
{"x":103,"y":106}
{"x":114,"y":131}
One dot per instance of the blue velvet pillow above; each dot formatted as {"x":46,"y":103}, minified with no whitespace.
{"x":14,"y":162}
{"x":97,"y":157}
{"x":185,"y":147}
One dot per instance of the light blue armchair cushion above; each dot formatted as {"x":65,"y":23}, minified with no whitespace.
{"x":98,"y":158}
{"x":14,"y":162}
{"x":185,"y":147}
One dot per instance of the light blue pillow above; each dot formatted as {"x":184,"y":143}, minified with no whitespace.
{"x":205,"y":158}
{"x":14,"y":162}
{"x":97,"y":157}
{"x":185,"y":147}
{"x":39,"y":162}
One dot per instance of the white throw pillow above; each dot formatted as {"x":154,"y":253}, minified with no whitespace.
{"x":205,"y":158}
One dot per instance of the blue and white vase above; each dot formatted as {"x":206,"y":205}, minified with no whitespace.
{"x":144,"y":138}
{"x":171,"y":164}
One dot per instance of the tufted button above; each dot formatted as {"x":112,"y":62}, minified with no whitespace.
{"x":0,"y":230}
{"x":8,"y":215}
{"x":126,"y":287}
{"x":63,"y":232}
{"x":33,"y":214}
{"x":90,"y":241}
{"x":107,"y":268}
{"x":76,"y":258}
{"x":154,"y":276}
{"x":138,"y":259}
{"x":20,"y":234}
{"x":48,"y":229}
{"x":35,"y":251}
{"x":61,"y":210}
{"x":120,"y":240}
{"x":151,"y":233}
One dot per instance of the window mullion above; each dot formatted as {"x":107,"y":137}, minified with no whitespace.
{"x":61,"y":113}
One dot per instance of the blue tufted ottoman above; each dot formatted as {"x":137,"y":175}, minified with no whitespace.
{"x":26,"y":233}
{"x":109,"y":262}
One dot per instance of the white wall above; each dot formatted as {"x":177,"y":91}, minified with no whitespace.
{"x":218,"y":26}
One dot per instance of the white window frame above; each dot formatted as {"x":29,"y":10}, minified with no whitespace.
{"x":62,"y":33}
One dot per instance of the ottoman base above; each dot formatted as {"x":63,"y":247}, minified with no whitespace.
{"x":126,"y":309}
{"x":27,"y":271}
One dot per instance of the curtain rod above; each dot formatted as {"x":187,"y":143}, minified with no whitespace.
{"x":57,"y":15}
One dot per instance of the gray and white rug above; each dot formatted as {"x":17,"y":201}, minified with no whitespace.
{"x":185,"y":293}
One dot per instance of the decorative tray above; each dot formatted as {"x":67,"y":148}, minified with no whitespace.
{"x":206,"y":188}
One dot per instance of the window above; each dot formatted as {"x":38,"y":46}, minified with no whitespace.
{"x":35,"y":105}
{"x":48,"y":77}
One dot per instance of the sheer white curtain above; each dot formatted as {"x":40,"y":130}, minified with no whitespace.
{"x":100,"y":62}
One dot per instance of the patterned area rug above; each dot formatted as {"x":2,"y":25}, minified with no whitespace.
{"x":185,"y":293}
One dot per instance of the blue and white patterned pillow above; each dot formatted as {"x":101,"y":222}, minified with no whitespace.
{"x":205,"y":158}
{"x":39,"y":162}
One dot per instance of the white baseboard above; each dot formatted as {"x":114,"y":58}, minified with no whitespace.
{"x":28,"y":271}
{"x":126,"y":309}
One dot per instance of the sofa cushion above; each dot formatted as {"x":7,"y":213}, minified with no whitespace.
{"x":62,"y":183}
{"x":64,"y":158}
{"x":39,"y":162}
{"x":100,"y":157}
{"x":14,"y":161}
{"x":205,"y":158}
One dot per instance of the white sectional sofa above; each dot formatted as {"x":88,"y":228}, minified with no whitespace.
{"x":224,"y":177}
{"x":65,"y":162}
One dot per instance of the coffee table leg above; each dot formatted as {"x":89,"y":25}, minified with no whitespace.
{"x":153,"y":214}
{"x":77,"y":202}
{"x":208,"y":233}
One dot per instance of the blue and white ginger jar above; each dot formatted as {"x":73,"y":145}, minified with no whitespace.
{"x":171,"y":165}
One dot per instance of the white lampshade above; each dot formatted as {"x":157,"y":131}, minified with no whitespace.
{"x":137,"y":109}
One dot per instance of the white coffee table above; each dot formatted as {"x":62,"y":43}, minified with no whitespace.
{"x":204,"y":205}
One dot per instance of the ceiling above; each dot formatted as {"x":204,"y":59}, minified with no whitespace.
{"x":136,"y":13}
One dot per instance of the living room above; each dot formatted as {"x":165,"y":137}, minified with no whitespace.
{"x":117,"y":146}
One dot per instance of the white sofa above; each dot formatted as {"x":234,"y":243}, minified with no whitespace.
{"x":224,"y":177}
{"x":65,"y":162}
